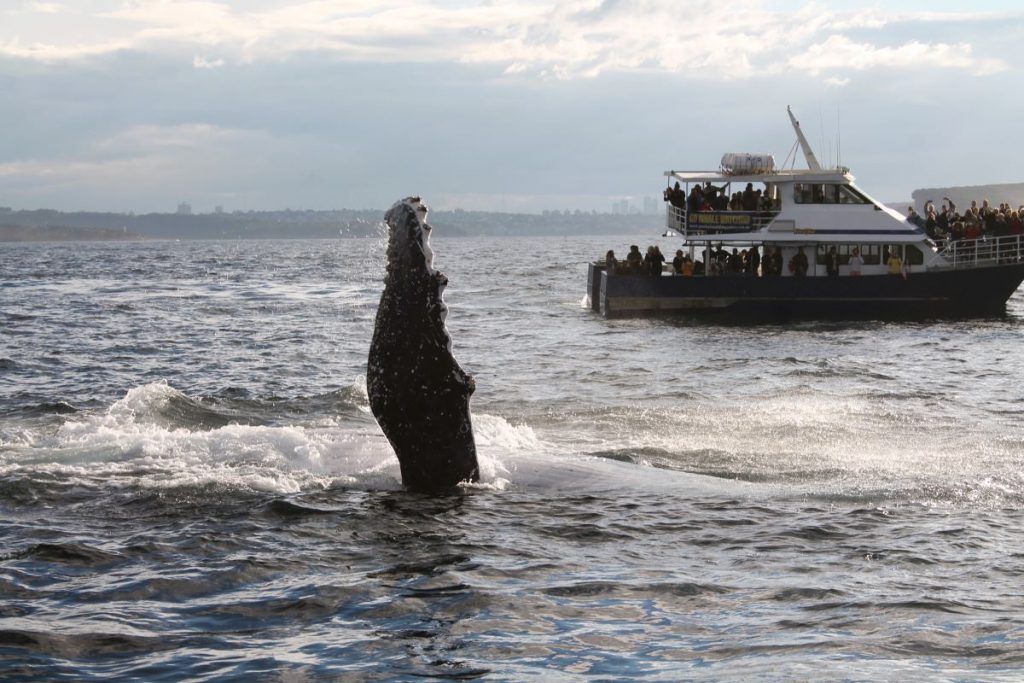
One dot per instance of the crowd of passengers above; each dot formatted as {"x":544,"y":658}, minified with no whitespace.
{"x":707,"y":197}
{"x":720,"y":262}
{"x":948,"y":224}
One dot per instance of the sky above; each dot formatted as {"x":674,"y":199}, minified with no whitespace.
{"x":137,"y":105}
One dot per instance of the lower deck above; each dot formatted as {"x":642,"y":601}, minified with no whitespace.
{"x":966,"y":292}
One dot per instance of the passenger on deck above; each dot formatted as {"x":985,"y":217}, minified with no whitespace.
{"x":735,"y":261}
{"x":749,"y":198}
{"x":611,"y":263}
{"x":895,"y":263}
{"x":931,"y":223}
{"x":677,"y":262}
{"x":634,"y":260}
{"x":753,"y":260}
{"x":653,"y":260}
{"x":768,"y":264}
{"x":713,"y":260}
{"x":696,"y":200}
{"x":722,"y":258}
{"x":1016,"y":224}
{"x":719,"y":201}
{"x":972,"y":227}
{"x":856,"y":262}
{"x":798,"y":264}
{"x":688,"y":267}
{"x":832,"y":262}
{"x":942,"y":221}
{"x":676,"y":196}
{"x":914,"y":217}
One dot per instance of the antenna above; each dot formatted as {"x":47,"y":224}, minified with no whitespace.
{"x":839,"y":139}
{"x":812,"y":161}
{"x":821,"y":133}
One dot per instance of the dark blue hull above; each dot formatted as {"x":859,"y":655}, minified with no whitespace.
{"x":966,"y":292}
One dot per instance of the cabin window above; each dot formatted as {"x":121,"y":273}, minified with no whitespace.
{"x":871,"y":253}
{"x":843,"y":250}
{"x":848,"y":195}
{"x":827,"y":193}
{"x":914,"y":256}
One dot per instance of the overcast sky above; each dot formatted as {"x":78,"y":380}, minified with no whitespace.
{"x":138,"y":105}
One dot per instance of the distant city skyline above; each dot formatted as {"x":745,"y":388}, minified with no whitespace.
{"x":509,"y":107}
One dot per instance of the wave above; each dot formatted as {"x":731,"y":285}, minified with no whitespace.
{"x":157,"y":437}
{"x":791,"y":443}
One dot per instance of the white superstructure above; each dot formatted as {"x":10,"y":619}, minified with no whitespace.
{"x":816,"y":208}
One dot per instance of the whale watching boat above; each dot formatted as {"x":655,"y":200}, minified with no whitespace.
{"x":815,"y":245}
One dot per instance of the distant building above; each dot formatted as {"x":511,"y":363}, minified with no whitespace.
{"x":650,"y":206}
{"x":218,"y":209}
{"x":184,"y":209}
{"x":621,"y":208}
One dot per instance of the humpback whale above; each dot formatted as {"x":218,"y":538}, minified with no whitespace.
{"x":418,"y":392}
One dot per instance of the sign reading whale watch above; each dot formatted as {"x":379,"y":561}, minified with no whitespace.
{"x":711,"y":219}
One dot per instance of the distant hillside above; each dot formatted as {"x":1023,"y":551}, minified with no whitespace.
{"x":1009,"y":193}
{"x":38,"y":224}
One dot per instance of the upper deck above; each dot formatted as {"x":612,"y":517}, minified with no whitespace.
{"x":786,"y":206}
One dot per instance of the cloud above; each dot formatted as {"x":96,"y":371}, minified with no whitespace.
{"x":147,"y":164}
{"x":836,"y":82}
{"x":839,"y":53}
{"x":733,"y":39}
{"x":45,"y":7}
{"x":204,"y":63}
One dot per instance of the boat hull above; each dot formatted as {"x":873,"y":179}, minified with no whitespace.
{"x":968,"y":292}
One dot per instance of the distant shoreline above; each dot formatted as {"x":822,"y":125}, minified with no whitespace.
{"x":46,"y":225}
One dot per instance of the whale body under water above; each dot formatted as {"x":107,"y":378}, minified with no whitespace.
{"x":418,"y":392}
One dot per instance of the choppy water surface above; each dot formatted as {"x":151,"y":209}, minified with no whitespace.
{"x":191,"y":485}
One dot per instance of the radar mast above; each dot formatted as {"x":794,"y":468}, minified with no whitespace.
{"x":812,"y":161}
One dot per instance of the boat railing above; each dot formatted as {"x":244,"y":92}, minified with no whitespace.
{"x":715,"y":222}
{"x":985,"y":251}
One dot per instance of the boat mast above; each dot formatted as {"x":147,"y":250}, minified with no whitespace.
{"x":812,"y":161}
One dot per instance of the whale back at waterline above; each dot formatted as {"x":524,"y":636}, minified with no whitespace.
{"x":417,"y":390}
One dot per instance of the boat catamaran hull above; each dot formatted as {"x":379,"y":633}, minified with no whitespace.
{"x":821,"y":214}
{"x":973,"y":292}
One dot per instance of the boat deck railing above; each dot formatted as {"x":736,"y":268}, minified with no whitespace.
{"x":716,"y":222}
{"x":986,"y":251}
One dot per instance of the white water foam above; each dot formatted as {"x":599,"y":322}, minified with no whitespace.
{"x":125,"y":446}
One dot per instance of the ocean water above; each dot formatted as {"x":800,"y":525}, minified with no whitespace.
{"x":192,"y":486}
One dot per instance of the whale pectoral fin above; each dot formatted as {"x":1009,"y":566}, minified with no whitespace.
{"x":418,"y":392}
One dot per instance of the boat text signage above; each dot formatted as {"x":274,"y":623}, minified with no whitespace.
{"x":717,"y":218}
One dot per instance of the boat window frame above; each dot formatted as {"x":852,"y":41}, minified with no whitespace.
{"x":872,"y":254}
{"x":912,"y":255}
{"x":829,"y":193}
{"x":844,"y":251}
